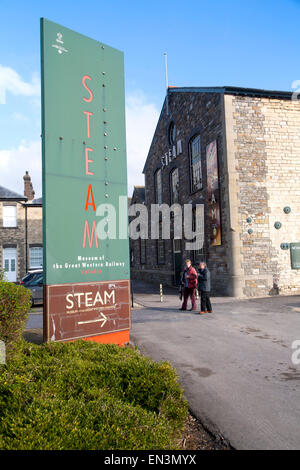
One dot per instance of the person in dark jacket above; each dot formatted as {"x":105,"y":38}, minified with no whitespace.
{"x":204,"y":288}
{"x":189,"y":283}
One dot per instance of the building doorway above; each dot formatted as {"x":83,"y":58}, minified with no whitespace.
{"x":9,"y":264}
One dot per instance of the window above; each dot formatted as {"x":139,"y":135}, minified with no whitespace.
{"x":196,"y":170}
{"x":198,"y":228}
{"x":172,"y":133}
{"x":174,"y":183}
{"x":160,"y":247}
{"x":143,"y":256}
{"x":176,"y":245}
{"x":158,"y":186}
{"x":9,"y":216}
{"x":36,"y":257}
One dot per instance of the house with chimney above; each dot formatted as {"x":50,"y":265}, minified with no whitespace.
{"x":21,"y":236}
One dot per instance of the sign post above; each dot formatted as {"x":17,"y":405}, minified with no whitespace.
{"x":85,"y":224}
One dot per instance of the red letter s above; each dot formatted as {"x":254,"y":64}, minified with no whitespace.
{"x":88,"y":100}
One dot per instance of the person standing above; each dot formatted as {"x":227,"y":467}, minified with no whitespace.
{"x":189,"y":283}
{"x":204,"y":286}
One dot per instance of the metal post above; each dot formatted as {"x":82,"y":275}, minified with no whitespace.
{"x":167,"y":82}
{"x":161,"y":292}
{"x":131,"y":290}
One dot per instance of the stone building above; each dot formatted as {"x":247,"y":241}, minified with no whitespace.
{"x":235,"y":153}
{"x":137,"y":247}
{"x":21,"y":238}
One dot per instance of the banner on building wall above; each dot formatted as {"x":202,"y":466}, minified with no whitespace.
{"x":295,"y":255}
{"x":86,"y":276}
{"x":213,"y":194}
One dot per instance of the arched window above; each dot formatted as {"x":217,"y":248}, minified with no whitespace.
{"x":195,"y":159}
{"x":172,"y":133}
{"x":174,"y":185}
{"x":158,"y":186}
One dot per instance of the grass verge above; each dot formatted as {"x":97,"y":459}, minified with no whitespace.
{"x":84,"y":395}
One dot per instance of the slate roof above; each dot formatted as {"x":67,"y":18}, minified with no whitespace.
{"x":140,"y":192}
{"x":37,"y":201}
{"x":8,"y":195}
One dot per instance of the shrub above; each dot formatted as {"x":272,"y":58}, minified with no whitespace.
{"x":15,"y":303}
{"x":85,"y":395}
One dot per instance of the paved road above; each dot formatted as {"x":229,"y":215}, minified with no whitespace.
{"x":235,"y":364}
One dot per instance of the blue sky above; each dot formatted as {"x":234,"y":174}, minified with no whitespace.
{"x":251,"y":44}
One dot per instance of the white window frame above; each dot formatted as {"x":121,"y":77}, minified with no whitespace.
{"x":9,"y":216}
{"x":35,"y":265}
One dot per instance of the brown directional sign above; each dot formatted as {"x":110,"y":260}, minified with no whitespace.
{"x":82,"y":310}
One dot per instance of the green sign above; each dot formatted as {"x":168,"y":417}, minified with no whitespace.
{"x":84,"y":159}
{"x":295,"y":255}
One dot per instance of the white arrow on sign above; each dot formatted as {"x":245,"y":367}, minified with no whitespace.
{"x":103,"y":320}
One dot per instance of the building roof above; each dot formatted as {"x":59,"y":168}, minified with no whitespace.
{"x":35,"y":202}
{"x":225,"y":90}
{"x":140,"y":192}
{"x":231,"y":90}
{"x":8,"y":195}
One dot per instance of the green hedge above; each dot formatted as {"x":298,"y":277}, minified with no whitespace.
{"x":84,"y":395}
{"x":15,"y":303}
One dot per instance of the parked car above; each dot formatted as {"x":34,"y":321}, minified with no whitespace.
{"x":32,"y":273}
{"x":34,"y":282}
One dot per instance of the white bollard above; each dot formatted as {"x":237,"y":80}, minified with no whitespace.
{"x":161,"y":292}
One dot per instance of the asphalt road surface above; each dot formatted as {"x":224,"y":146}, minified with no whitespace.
{"x":234,"y":364}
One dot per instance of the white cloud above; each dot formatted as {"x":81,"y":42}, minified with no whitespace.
{"x":10,"y":81}
{"x":19,"y":117}
{"x":15,"y":161}
{"x":141,"y":120}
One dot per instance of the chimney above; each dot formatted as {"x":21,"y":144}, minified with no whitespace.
{"x":28,"y":189}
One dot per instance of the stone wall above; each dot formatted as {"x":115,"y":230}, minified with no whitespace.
{"x":15,"y":236}
{"x":193,"y":113}
{"x":263,"y":144}
{"x":34,"y":228}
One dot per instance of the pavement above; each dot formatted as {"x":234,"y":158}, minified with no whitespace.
{"x":235,"y":364}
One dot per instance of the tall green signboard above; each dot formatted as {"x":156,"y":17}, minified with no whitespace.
{"x":86,"y":250}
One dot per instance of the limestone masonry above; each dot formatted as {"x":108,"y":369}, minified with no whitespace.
{"x":257,"y":133}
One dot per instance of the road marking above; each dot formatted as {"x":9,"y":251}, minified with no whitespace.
{"x":103,"y":320}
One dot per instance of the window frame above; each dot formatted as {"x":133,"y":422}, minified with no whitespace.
{"x":158,"y":171}
{"x":172,"y":171}
{"x":199,"y":254}
{"x":15,"y":216}
{"x":160,"y":243}
{"x":171,"y":129}
{"x":143,"y":243}
{"x":32,"y":247}
{"x":191,"y":164}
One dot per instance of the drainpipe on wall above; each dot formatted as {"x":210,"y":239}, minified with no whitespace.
{"x":26,"y":240}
